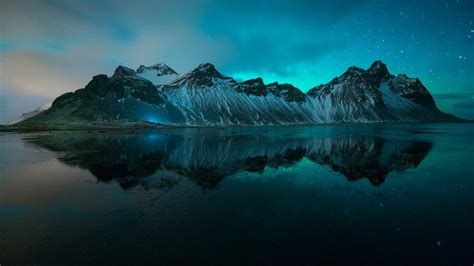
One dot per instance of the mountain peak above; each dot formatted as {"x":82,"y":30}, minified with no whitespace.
{"x":354,"y":69}
{"x":202,"y":75}
{"x":205,"y":66}
{"x":378,"y":68}
{"x":160,"y":69}
{"x":121,"y":71}
{"x":378,"y":63}
{"x":207,"y":69}
{"x":253,"y":87}
{"x":204,"y":96}
{"x":254,"y":82}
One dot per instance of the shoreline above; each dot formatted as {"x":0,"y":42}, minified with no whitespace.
{"x":151,"y":127}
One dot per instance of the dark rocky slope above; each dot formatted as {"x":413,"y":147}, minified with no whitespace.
{"x":205,"y":97}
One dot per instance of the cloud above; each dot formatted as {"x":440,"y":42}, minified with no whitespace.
{"x":280,"y":57}
{"x":45,"y":74}
{"x":464,"y":105}
{"x":51,"y":73}
{"x":14,"y":103}
{"x":48,"y":47}
{"x":275,"y":37}
{"x":453,"y":95}
{"x":460,"y":104}
{"x":51,"y":47}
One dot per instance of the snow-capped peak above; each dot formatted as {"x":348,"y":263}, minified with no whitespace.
{"x":204,"y":96}
{"x":207,"y":69}
{"x":203,"y":75}
{"x":158,"y":74}
{"x":160,"y":69}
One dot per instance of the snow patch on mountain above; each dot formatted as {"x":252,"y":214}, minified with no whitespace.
{"x":205,"y":97}
{"x":32,"y":113}
{"x":158,"y":74}
{"x":399,"y":106}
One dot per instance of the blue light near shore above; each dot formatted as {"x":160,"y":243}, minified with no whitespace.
{"x":152,"y":119}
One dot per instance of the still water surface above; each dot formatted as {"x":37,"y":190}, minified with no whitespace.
{"x":351,"y":194}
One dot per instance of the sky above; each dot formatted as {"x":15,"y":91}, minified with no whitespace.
{"x":49,"y":47}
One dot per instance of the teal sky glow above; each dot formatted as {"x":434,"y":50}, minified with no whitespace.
{"x":48,"y":47}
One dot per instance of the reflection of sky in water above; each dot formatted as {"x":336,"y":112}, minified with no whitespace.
{"x":47,"y":206}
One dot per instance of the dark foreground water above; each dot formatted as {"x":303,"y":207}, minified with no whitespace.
{"x":375,"y":194}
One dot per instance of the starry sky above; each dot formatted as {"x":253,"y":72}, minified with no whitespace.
{"x":48,"y":47}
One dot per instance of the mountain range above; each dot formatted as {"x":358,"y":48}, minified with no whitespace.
{"x":153,"y":96}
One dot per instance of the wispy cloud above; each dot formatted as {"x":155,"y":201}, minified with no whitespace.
{"x":48,"y":47}
{"x":460,"y":104}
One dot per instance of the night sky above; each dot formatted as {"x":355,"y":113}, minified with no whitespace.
{"x":51,"y":47}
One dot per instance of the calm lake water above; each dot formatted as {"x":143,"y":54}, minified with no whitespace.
{"x":351,"y":194}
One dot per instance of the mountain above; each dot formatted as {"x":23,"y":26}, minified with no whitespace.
{"x":158,"y":74}
{"x":125,"y":96}
{"x":206,"y":97}
{"x":157,"y":95}
{"x":29,"y":114}
{"x":374,"y":94}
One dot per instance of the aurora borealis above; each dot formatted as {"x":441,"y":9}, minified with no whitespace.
{"x":51,"y":47}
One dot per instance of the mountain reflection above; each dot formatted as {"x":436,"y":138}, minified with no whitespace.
{"x":206,"y":157}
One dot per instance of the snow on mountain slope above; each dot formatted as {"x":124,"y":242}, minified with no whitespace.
{"x":204,"y":96}
{"x":399,"y":106}
{"x":373,"y":95}
{"x":32,"y":113}
{"x":411,"y":89}
{"x":158,"y":74}
{"x":351,"y":97}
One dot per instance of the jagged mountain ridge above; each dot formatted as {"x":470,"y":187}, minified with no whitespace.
{"x":158,"y":74}
{"x":204,"y":96}
{"x":374,"y":95}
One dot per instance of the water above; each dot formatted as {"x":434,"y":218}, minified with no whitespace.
{"x":351,"y":194}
